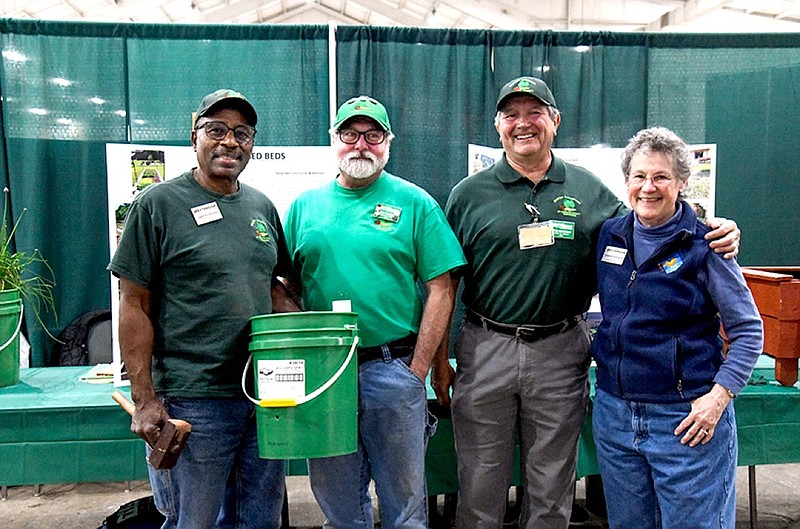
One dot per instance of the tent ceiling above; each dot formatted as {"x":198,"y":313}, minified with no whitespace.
{"x":571,"y":15}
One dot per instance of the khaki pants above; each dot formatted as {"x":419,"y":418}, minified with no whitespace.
{"x":539,"y":390}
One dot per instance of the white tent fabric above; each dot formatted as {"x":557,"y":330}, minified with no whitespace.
{"x":564,"y":15}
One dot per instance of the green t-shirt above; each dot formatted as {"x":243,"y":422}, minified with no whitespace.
{"x":207,"y":276}
{"x":541,"y":285}
{"x":370,"y":246}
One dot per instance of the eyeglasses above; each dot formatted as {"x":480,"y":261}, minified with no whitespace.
{"x":217,"y":131}
{"x":659,"y":180}
{"x":372,"y":136}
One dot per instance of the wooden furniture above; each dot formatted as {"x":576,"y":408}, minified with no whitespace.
{"x":777,"y":294}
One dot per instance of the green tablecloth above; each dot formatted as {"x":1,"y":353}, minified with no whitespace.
{"x":56,"y":429}
{"x":767,"y":417}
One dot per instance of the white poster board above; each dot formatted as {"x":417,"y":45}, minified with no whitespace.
{"x":281,"y":173}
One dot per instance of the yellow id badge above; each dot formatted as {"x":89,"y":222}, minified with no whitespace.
{"x":535,"y":235}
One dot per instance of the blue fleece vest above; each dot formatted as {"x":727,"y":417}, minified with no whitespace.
{"x":659,"y":339}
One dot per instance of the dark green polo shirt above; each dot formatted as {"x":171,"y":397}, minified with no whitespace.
{"x":538,"y":285}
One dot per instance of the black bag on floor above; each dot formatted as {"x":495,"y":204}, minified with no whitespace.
{"x":74,"y":350}
{"x":136,"y":514}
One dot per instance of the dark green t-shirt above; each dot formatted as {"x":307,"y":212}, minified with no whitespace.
{"x":538,"y":285}
{"x":207,"y":276}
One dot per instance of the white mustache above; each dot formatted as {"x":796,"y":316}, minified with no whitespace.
{"x":361,"y":155}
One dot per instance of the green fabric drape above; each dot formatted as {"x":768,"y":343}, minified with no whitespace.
{"x":285,"y":76}
{"x":68,"y":88}
{"x":434,"y":85}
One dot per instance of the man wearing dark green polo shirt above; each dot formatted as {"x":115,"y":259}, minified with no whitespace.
{"x":528,"y":225}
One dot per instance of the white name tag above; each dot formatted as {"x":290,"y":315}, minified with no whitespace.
{"x":535,"y":235}
{"x":614,"y":255}
{"x":206,"y":213}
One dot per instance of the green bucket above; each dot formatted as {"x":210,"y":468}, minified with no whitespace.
{"x":306,"y":382}
{"x":10,"y":324}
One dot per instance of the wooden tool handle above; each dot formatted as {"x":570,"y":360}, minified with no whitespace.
{"x":123,"y":401}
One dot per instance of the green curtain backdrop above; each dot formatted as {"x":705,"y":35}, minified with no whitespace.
{"x":435,"y":88}
{"x":759,"y":172}
{"x":68,"y":88}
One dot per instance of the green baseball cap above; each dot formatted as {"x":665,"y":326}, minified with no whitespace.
{"x":227,"y":98}
{"x":363,"y":106}
{"x":526,"y":86}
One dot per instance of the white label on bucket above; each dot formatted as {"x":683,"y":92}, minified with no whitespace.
{"x":281,"y":379}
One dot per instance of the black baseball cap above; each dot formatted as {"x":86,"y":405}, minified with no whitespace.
{"x":526,"y":86}
{"x":227,"y":98}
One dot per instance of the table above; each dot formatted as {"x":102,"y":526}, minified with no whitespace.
{"x":767,"y":417}
{"x":768,"y":426}
{"x":56,"y":429}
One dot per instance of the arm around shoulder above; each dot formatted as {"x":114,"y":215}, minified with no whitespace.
{"x":725,"y":236}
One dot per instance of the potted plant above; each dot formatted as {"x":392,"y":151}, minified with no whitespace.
{"x":19,"y":282}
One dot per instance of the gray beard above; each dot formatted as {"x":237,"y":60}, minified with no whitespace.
{"x":360,"y":166}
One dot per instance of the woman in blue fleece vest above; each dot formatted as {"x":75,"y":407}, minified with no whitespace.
{"x":663,"y":416}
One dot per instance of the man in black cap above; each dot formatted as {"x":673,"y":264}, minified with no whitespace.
{"x":527,"y":225}
{"x":200,"y":255}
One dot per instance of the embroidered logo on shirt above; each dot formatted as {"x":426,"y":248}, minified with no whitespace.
{"x":262,"y":230}
{"x":568,"y":206}
{"x":672,"y":264}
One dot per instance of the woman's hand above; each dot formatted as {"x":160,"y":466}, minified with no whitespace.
{"x":699,"y":425}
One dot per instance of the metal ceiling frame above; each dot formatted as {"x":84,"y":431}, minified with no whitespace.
{"x":574,"y":15}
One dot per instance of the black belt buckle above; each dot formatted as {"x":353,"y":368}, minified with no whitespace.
{"x":527,"y":334}
{"x":532,"y":334}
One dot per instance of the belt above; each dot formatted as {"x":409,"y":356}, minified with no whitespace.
{"x":527,"y":333}
{"x":397,"y":349}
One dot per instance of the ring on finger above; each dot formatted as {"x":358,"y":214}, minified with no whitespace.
{"x":704,"y":432}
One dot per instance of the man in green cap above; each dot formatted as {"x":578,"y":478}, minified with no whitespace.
{"x":528,"y":225}
{"x":370,"y":237}
{"x":198,"y":257}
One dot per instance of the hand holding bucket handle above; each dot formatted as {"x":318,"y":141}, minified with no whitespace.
{"x":289,"y":403}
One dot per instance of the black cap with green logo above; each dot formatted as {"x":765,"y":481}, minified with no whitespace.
{"x":227,"y":98}
{"x":532,"y":86}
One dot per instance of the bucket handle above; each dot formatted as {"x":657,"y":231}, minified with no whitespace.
{"x":290,"y":403}
{"x":16,"y":332}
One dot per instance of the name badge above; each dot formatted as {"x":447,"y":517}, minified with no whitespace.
{"x":387,"y":213}
{"x":614,"y":255}
{"x":563,"y":229}
{"x":535,"y":235}
{"x":206,"y":213}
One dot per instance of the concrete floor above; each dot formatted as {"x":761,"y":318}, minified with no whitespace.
{"x":86,"y":505}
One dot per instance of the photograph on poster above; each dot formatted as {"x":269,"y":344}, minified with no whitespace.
{"x":281,"y":173}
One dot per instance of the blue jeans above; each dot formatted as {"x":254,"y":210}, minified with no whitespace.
{"x":219,"y":480}
{"x":394,"y":428}
{"x":650,"y":479}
